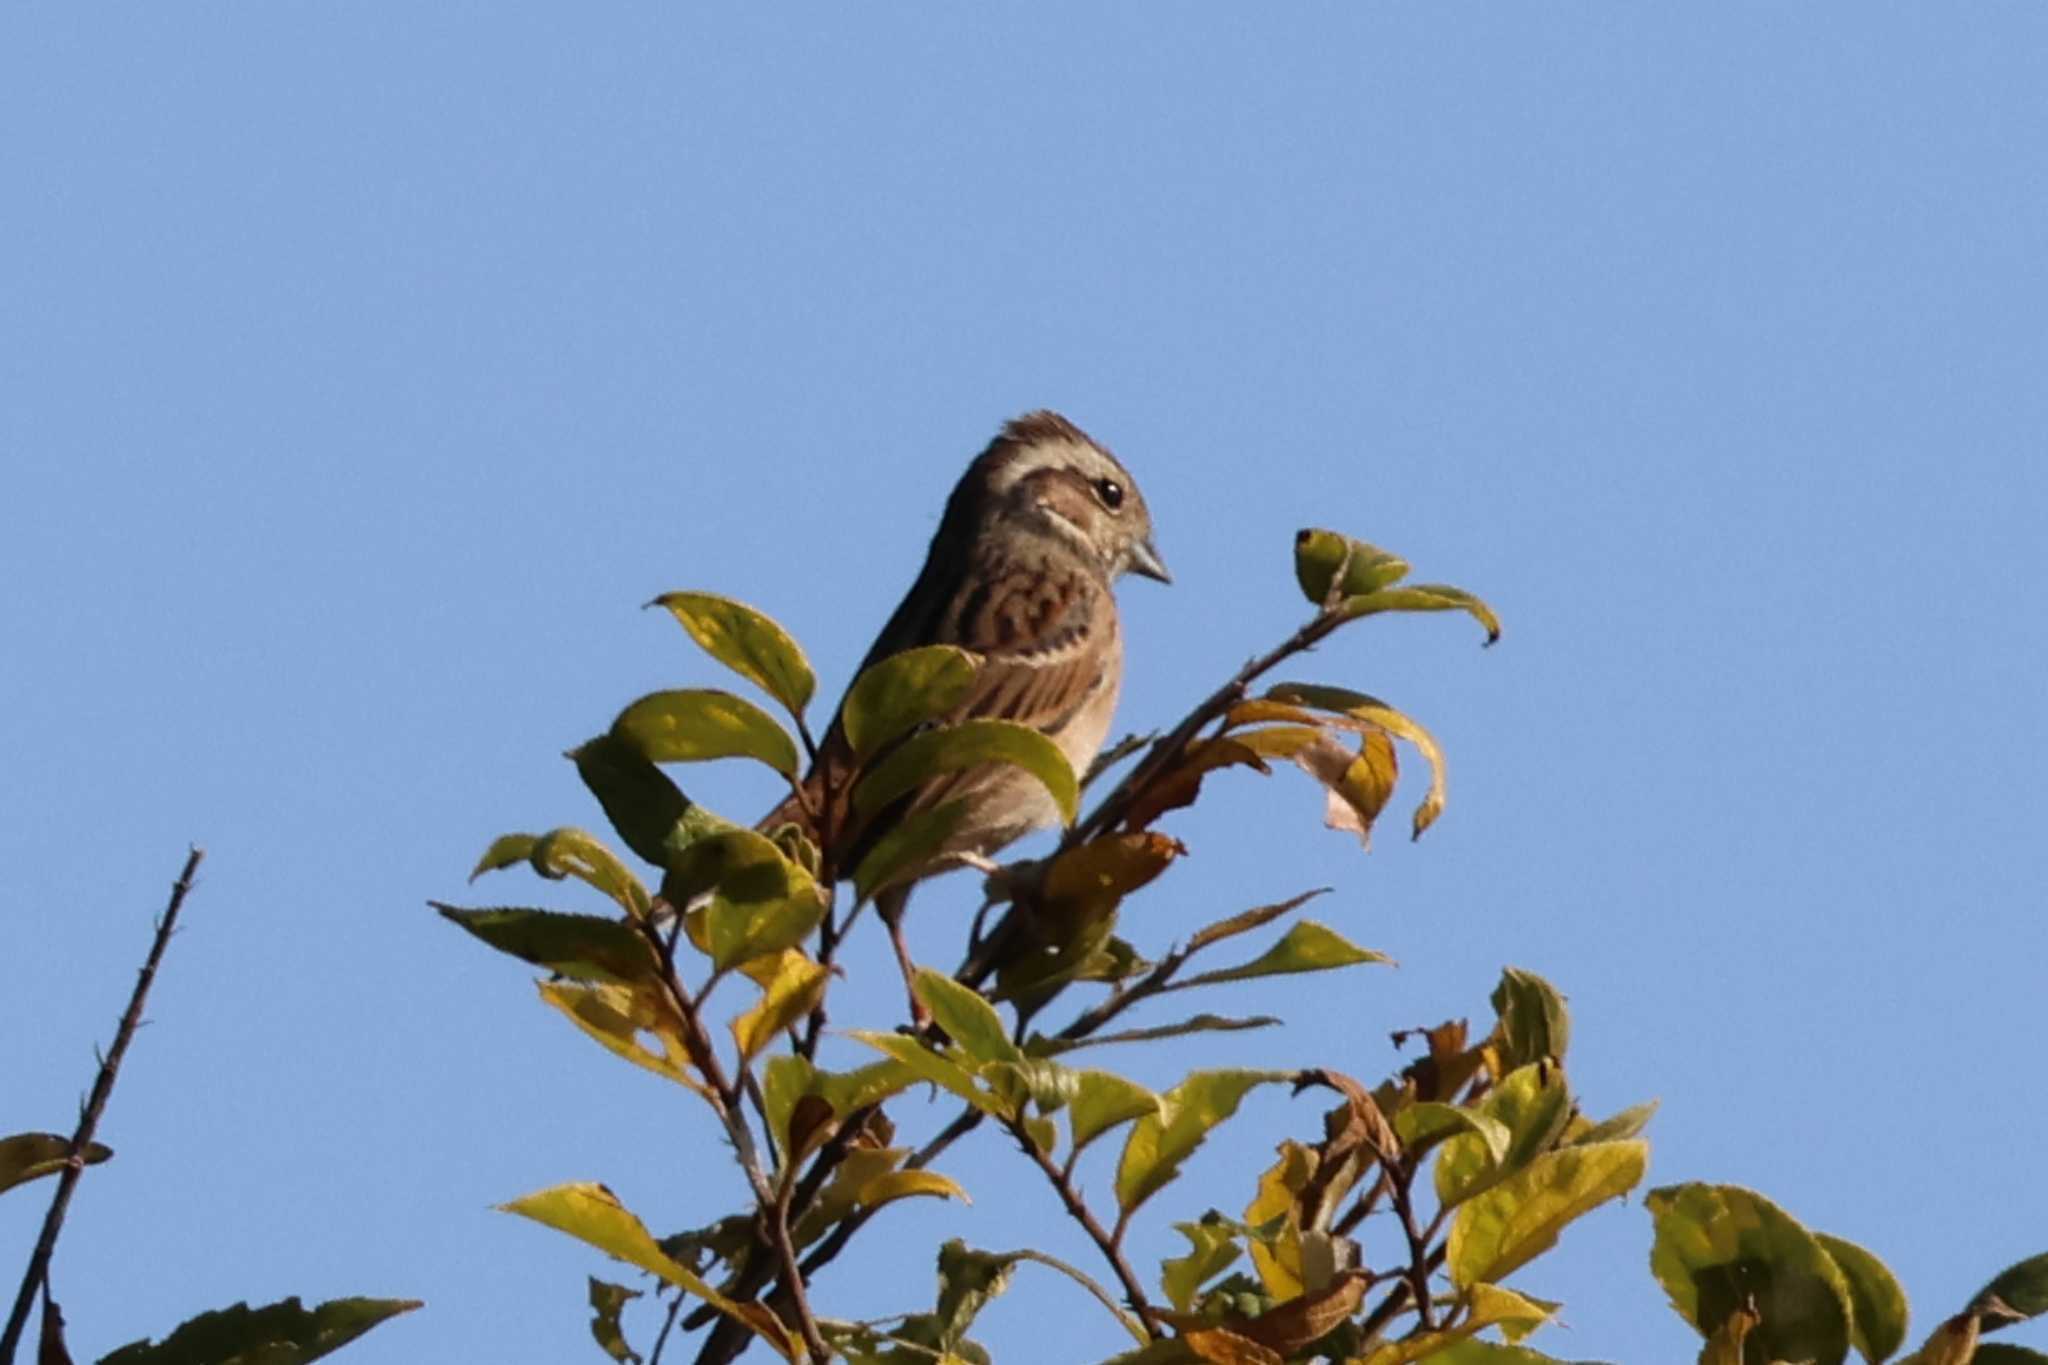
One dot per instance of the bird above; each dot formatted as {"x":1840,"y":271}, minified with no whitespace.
{"x":1021,"y":571}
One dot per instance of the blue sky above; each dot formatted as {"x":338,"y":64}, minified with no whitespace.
{"x":365,"y":366}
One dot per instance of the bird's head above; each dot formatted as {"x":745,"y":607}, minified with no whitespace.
{"x":1044,"y":472}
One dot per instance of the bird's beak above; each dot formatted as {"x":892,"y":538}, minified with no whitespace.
{"x":1145,"y":560}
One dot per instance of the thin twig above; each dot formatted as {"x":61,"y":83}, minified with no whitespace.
{"x":89,"y":1120}
{"x":1105,"y":1242}
{"x":668,"y":1325}
{"x":726,"y":1098}
{"x":1418,"y":1245}
{"x":728,"y":1338}
{"x":1128,"y":1320}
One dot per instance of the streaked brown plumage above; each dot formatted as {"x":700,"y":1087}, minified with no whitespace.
{"x":1036,"y":532}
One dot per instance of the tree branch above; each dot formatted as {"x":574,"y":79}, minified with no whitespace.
{"x":89,"y":1119}
{"x":1104,"y":1241}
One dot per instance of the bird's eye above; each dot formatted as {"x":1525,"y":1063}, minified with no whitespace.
{"x":1111,"y":492}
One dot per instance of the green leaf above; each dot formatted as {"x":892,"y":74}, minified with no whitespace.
{"x":697,"y":724}
{"x":2020,"y":1290}
{"x":592,"y":1214}
{"x":1365,"y":714}
{"x":649,"y":811}
{"x":1422,"y":597}
{"x":30,"y":1156}
{"x":505,"y":851}
{"x":581,"y":947}
{"x":1534,"y":1023}
{"x":282,"y":1333}
{"x":1331,"y":566}
{"x":1212,"y":1249}
{"x":568,"y":853}
{"x":1877,"y":1324}
{"x":968,"y":1019}
{"x":907,"y":847}
{"x":1626,"y":1124}
{"x":941,"y":1071}
{"x":1533,"y":1103}
{"x":761,"y":902}
{"x":968,"y":1279}
{"x":1307,"y":947}
{"x":573,"y":853}
{"x":1519,"y":1219}
{"x":1424,"y":1123}
{"x":790,"y":1079}
{"x":2005,"y":1353}
{"x":607,"y":1301}
{"x":965,"y":745}
{"x":748,"y":642}
{"x":1103,"y":1100}
{"x":1719,"y":1248}
{"x":1159,"y":1143}
{"x":902,"y":692}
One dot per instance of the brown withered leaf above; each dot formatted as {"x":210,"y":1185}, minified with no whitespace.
{"x":1450,"y":1063}
{"x":1356,"y":1135}
{"x":1724,"y":1347}
{"x":807,"y":1120}
{"x":1221,"y":1346}
{"x":1247,"y":920}
{"x":1290,"y":1327}
{"x":1356,"y":785}
{"x":1179,"y":785}
{"x":1107,"y":869}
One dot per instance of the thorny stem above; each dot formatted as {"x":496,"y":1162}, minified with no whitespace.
{"x":89,"y":1119}
{"x":1105,"y":1242}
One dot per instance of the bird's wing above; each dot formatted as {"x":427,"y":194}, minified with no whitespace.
{"x":1045,"y":627}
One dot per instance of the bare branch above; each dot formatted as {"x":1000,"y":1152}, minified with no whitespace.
{"x":89,"y":1120}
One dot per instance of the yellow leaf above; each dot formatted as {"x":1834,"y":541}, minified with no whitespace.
{"x":1520,"y":1218}
{"x":793,"y":992}
{"x":748,"y":642}
{"x":1362,"y":713}
{"x":617,"y":1016}
{"x":1278,"y":1261}
{"x":593,"y":1214}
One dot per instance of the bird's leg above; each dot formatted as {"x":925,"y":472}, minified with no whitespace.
{"x":889,"y":905}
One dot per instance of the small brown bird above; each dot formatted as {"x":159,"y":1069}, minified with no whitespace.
{"x":1040,"y":526}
